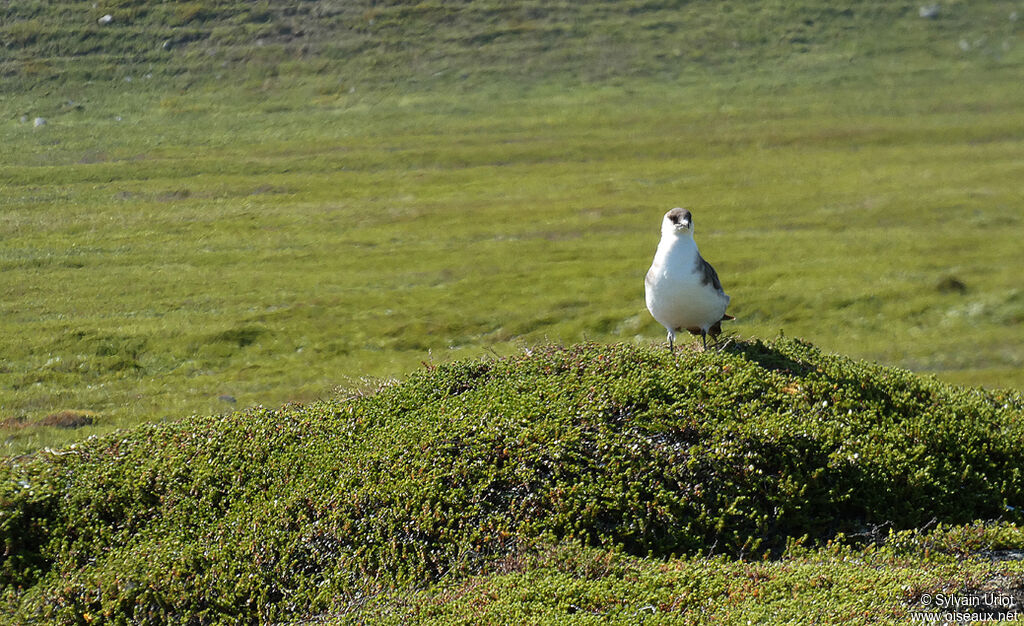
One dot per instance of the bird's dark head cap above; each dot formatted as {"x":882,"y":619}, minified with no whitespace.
{"x":678,"y":220}
{"x":679,"y":215}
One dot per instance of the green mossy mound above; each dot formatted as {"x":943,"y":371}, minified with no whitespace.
{"x":261,"y":515}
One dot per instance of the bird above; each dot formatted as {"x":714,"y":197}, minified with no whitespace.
{"x":682,"y":289}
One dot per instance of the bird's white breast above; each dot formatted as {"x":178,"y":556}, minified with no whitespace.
{"x":676,"y":293}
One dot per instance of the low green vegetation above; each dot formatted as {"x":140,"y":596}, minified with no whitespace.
{"x":197,"y":249}
{"x":415,"y":45}
{"x":893,"y":580}
{"x":222,"y":224}
{"x":208,"y":208}
{"x":466,"y":469}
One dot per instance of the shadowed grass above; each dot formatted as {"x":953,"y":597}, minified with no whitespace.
{"x":889,"y":582}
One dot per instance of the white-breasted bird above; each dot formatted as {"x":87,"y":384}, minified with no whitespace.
{"x":683,"y":291}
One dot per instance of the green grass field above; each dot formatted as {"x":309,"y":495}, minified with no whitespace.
{"x":284,"y":200}
{"x":272,"y":245}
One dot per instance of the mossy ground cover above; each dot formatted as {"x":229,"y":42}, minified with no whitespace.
{"x":465,"y":468}
{"x":892,"y":581}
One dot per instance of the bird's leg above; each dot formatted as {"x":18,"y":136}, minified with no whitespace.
{"x":704,"y":339}
{"x":671,"y":341}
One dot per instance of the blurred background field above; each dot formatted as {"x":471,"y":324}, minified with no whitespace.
{"x":233,"y":204}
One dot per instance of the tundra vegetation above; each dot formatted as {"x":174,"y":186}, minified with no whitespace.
{"x":229,"y":205}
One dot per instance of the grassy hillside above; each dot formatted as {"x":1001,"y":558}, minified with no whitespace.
{"x":291,"y":197}
{"x":468,"y":473}
{"x":409,"y":43}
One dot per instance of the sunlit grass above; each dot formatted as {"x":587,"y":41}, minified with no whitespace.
{"x":272,"y":245}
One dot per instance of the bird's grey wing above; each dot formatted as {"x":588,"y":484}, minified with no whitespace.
{"x":708,"y":274}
